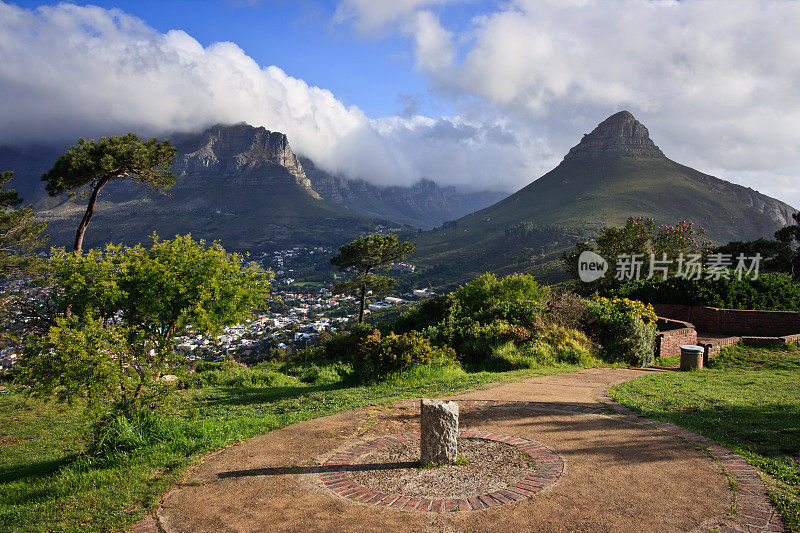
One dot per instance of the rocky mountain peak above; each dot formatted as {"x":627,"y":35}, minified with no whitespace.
{"x":241,"y":148}
{"x":619,"y":135}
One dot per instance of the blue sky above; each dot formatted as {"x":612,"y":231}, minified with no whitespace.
{"x":474,"y":93}
{"x":369,"y":71}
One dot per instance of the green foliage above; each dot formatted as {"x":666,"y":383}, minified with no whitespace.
{"x":375,"y":355}
{"x":361,"y":256}
{"x":515,"y":299}
{"x":479,"y":315}
{"x":552,"y":345}
{"x":112,"y":158}
{"x":114,"y":434}
{"x":79,"y":357}
{"x":90,"y":165}
{"x":235,"y":376}
{"x":789,"y":238}
{"x":623,"y":329}
{"x":776,"y":255}
{"x":160,"y":290}
{"x":775,"y":292}
{"x":639,"y":236}
{"x":120,"y":310}
{"x":20,"y":236}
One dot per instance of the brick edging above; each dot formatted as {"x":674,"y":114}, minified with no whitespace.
{"x":754,"y":510}
{"x":549,"y":467}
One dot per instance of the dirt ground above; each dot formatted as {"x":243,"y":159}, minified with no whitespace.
{"x":618,"y":476}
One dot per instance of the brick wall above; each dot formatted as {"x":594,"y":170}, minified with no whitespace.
{"x":733,"y":321}
{"x":672,"y":334}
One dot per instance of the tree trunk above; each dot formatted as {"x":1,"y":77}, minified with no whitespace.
{"x":361,"y":306}
{"x":87,"y":216}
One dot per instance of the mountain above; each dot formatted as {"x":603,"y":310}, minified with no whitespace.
{"x":423,"y":205}
{"x":243,"y":185}
{"x":239,"y":184}
{"x":615,"y":172}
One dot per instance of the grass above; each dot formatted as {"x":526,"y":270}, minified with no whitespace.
{"x":748,"y":400}
{"x":47,"y":483}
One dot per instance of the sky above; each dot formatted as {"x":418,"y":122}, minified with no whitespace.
{"x":474,"y":93}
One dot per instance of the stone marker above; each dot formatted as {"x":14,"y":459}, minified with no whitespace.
{"x":438,"y":432}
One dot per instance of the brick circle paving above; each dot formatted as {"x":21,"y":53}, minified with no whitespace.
{"x":549,"y":467}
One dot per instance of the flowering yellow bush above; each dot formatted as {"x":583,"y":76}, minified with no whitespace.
{"x":643,"y":310}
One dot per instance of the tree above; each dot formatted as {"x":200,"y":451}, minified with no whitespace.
{"x":789,"y":237}
{"x":361,"y":257}
{"x":127,"y":305}
{"x":91,"y":165}
{"x":20,"y":236}
{"x":642,"y":239}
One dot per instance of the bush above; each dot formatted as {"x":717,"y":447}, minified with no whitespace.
{"x":479,"y":316}
{"x":565,"y":309}
{"x":624,"y":330}
{"x":377,"y":355}
{"x":771,"y":292}
{"x":551,"y":345}
{"x":343,"y":347}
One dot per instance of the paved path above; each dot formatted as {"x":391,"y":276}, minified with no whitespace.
{"x":621,"y":472}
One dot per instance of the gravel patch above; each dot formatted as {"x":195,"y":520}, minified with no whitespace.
{"x":492,"y":466}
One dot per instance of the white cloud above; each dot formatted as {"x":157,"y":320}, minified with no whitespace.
{"x":69,"y":71}
{"x":369,"y":16}
{"x":716,"y":81}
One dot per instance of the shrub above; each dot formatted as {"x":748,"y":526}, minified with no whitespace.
{"x":552,"y":345}
{"x":565,"y":309}
{"x":377,"y":355}
{"x":343,"y":347}
{"x":623,"y":329}
{"x":479,"y":316}
{"x":776,"y":292}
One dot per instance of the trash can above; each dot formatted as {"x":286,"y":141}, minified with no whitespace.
{"x":691,"y":357}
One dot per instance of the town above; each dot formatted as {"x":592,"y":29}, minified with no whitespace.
{"x":302,"y":310}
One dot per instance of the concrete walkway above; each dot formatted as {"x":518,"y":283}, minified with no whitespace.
{"x":621,"y":472}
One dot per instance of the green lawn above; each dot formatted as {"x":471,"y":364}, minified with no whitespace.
{"x":47,"y":483}
{"x":748,"y":400}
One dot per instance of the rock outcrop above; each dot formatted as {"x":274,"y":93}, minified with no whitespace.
{"x":619,"y":135}
{"x":240,"y":154}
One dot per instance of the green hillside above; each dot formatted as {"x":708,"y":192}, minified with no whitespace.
{"x":614,"y":173}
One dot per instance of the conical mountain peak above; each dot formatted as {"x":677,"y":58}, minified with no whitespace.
{"x":619,"y":135}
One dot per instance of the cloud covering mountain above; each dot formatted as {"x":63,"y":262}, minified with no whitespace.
{"x":714,"y":79}
{"x":88,"y":71}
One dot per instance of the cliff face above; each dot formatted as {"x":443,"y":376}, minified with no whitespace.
{"x":619,"y":135}
{"x":241,"y":185}
{"x":239,"y":155}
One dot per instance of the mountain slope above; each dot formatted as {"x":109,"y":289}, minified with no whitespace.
{"x":239,"y":184}
{"x":614,"y":173}
{"x":423,"y":205}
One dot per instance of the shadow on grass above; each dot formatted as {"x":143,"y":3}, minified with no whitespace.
{"x":35,"y":469}
{"x":240,"y":396}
